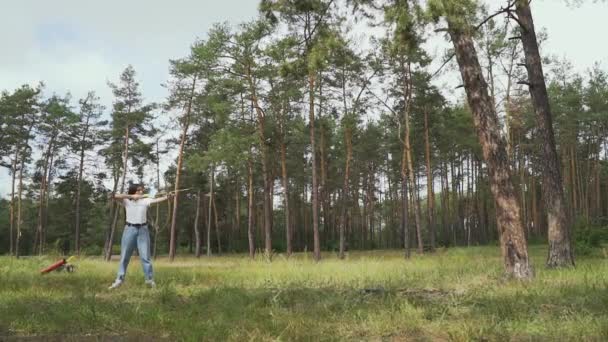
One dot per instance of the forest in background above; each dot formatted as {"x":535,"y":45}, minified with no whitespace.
{"x":292,"y":137}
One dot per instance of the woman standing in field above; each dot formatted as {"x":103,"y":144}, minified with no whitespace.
{"x":136,"y":232}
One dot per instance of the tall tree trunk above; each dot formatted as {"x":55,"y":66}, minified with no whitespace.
{"x":265,"y":167}
{"x":522,"y":186}
{"x":250,"y":212}
{"x":157,"y":217}
{"x":237,"y":199}
{"x":45,"y":218}
{"x":430,"y":196}
{"x":560,"y":250}
{"x":180,"y":155}
{"x":197,"y":232}
{"x":79,"y":189}
{"x":217,"y":228}
{"x":573,"y":181}
{"x":444,"y":205}
{"x":370,"y":195}
{"x":598,"y":197}
{"x":315,"y":185}
{"x":345,"y":189}
{"x":468,"y":198}
{"x":405,"y":229}
{"x":407,"y":88}
{"x":40,"y":226}
{"x":12,"y":207}
{"x":110,"y":234}
{"x":324,"y":197}
{"x":78,"y":193}
{"x":455,"y":212}
{"x":18,"y":237}
{"x":211,"y":178}
{"x":513,"y":243}
{"x":288,"y":233}
{"x":535,"y":219}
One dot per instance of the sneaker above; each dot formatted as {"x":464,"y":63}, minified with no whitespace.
{"x":150,"y":283}
{"x":115,"y":284}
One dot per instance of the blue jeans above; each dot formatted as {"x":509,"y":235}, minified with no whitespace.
{"x":132,"y":237}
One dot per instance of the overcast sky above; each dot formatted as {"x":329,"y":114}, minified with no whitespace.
{"x":77,"y":46}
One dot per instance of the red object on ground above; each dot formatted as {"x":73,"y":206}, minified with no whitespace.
{"x":53,"y":266}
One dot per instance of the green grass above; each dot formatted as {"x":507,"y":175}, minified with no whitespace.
{"x":458,"y":294}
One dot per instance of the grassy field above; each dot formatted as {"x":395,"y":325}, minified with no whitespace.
{"x":457,"y":295}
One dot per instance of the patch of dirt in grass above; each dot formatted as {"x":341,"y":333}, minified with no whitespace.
{"x":85,"y":337}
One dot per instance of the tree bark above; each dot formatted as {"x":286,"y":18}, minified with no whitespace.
{"x":285,"y":180}
{"x":211,"y":176}
{"x":157,"y":217}
{"x":217,"y":228}
{"x":513,"y":243}
{"x":79,"y":189}
{"x":197,"y":232}
{"x":430,"y":196}
{"x":18,"y":237}
{"x":315,"y":185}
{"x":345,"y":189}
{"x":265,"y":167}
{"x":41,"y":202}
{"x":560,"y":249}
{"x":110,"y":234}
{"x":405,"y":229}
{"x":250,"y":212}
{"x":407,"y":88}
{"x":12,"y":207}
{"x":180,"y":157}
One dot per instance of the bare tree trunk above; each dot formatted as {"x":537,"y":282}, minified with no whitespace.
{"x":522,"y":182}
{"x":48,"y":189}
{"x":560,"y":249}
{"x":18,"y":237}
{"x":444,"y":205}
{"x":315,"y":185}
{"x":404,"y":216}
{"x":110,"y":234}
{"x":407,"y":90}
{"x":78,"y":191}
{"x":513,"y":243}
{"x":12,"y":207}
{"x":430,"y":196}
{"x":180,"y":157}
{"x":250,"y":212}
{"x":197,"y":232}
{"x":345,"y":188}
{"x":323,"y":190}
{"x":41,"y":200}
{"x":288,"y":233}
{"x":455,"y":213}
{"x":535,"y":219}
{"x":265,"y":167}
{"x":217,"y":228}
{"x":157,"y":217}
{"x":211,"y":176}
{"x":237,"y":199}
{"x":467,"y":200}
{"x":598,"y":197}
{"x":371,"y":202}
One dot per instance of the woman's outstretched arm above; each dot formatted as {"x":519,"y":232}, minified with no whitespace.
{"x":160,"y":199}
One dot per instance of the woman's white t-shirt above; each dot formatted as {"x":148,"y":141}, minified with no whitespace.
{"x":137,"y":209}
